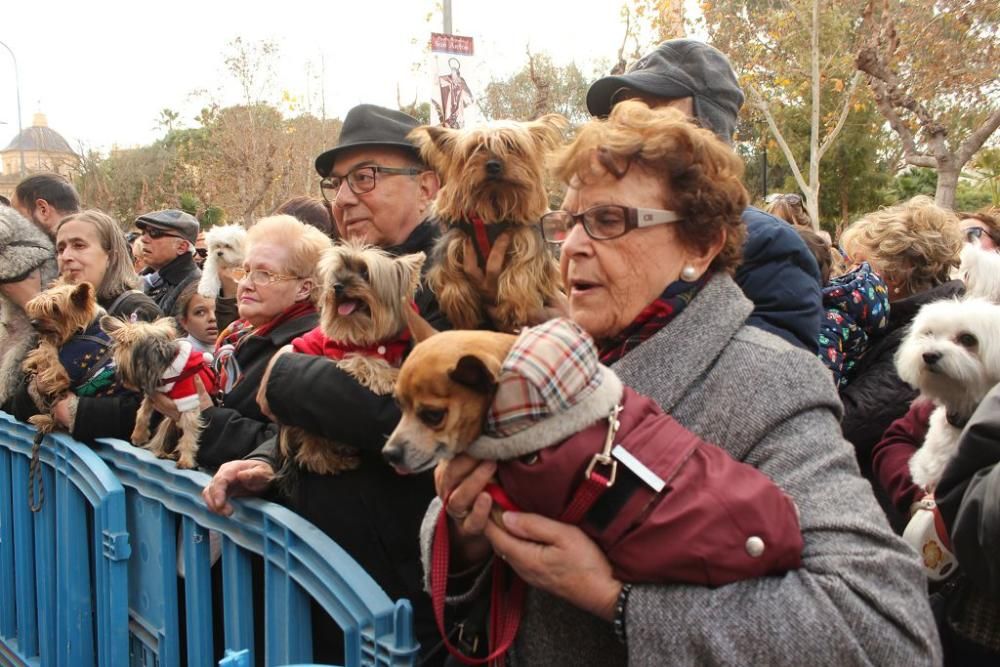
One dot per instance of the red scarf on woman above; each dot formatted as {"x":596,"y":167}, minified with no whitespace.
{"x":651,"y":319}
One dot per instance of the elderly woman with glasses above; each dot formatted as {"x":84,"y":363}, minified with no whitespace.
{"x":650,"y":234}
{"x":276,"y":295}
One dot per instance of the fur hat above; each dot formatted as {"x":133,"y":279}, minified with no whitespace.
{"x":679,"y":68}
{"x":23,"y":246}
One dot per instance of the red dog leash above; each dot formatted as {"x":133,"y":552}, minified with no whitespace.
{"x":505,"y":609}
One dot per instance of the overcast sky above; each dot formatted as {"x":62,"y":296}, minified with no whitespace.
{"x":102,"y":71}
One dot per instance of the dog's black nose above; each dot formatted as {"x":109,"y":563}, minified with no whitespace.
{"x":493,"y":168}
{"x":392,"y":454}
{"x":931,"y":358}
{"x":219,"y":254}
{"x":338,"y":289}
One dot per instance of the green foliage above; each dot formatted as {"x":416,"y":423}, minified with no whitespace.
{"x":921,"y":181}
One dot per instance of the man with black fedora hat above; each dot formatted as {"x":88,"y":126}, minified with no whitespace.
{"x":778,"y":272}
{"x":379,"y":192}
{"x":168,"y":239}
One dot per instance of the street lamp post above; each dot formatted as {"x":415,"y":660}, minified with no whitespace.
{"x":17,"y":86}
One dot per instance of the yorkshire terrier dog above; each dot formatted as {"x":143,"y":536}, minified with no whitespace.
{"x":363,"y":329}
{"x":225,"y":246}
{"x":151,"y":359}
{"x":61,"y":315}
{"x":492,"y":181}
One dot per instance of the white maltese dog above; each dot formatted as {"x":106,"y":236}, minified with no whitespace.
{"x":225,"y":245}
{"x":952,"y":355}
{"x":980,"y":270}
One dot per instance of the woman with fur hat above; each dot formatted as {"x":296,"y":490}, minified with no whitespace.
{"x":650,"y":233}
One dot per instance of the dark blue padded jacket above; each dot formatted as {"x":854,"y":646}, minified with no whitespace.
{"x":780,"y":275}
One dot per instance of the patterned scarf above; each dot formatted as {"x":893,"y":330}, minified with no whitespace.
{"x":653,"y":317}
{"x":232,"y":338}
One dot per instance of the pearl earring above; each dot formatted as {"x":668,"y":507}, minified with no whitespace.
{"x":689,"y":273}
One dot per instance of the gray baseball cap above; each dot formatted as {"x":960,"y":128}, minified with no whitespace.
{"x":679,"y":68}
{"x":180,"y":223}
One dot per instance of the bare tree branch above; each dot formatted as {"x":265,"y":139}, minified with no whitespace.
{"x":844,"y":112}
{"x":789,"y":157}
{"x":976,"y":140}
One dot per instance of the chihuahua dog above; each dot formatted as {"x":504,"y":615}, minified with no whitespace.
{"x":71,"y":351}
{"x":492,"y":181}
{"x":151,"y":359}
{"x":225,"y":246}
{"x":365,"y":294}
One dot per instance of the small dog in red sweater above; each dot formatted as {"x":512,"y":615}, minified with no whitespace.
{"x":362,"y":330}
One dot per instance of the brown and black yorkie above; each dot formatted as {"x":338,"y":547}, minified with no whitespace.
{"x":364,"y":297}
{"x":492,"y":181}
{"x":151,"y":359}
{"x":59,"y":315}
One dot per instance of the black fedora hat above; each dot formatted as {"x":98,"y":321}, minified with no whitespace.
{"x":370,"y":125}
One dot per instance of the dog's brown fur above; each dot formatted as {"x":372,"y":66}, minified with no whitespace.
{"x":381,"y":286}
{"x":142,"y":352}
{"x":444,"y":389}
{"x":57,"y":314}
{"x":530,"y":277}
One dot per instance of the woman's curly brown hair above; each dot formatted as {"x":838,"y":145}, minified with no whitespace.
{"x":914,"y":244}
{"x":701,"y":174}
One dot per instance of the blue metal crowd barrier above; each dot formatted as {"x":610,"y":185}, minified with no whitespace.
{"x":93,"y":577}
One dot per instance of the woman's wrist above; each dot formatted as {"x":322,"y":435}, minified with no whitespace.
{"x":621,"y":612}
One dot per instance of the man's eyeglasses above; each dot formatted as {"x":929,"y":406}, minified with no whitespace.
{"x":260,"y":277}
{"x":157,"y":233}
{"x":361,"y":179}
{"x":603,"y":223}
{"x":973,"y":234}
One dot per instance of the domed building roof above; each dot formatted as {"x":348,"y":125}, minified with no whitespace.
{"x":39,"y":137}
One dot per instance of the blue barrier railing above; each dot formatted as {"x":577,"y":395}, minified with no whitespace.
{"x":93,"y":578}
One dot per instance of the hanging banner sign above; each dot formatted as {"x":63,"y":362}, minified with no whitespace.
{"x":453,"y":44}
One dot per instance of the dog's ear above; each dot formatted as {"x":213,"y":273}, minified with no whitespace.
{"x":111,"y":325}
{"x":547,"y":131}
{"x":409,"y":267}
{"x":477,"y":373}
{"x":167,"y":325}
{"x":435,"y":144}
{"x":81,"y":295}
{"x":420,"y":328}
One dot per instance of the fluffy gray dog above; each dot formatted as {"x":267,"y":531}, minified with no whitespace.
{"x":23,"y":249}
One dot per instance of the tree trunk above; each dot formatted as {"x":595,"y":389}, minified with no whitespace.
{"x":947,"y":183}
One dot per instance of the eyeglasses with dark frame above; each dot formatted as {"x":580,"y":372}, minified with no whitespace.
{"x":605,"y":222}
{"x":157,"y":233}
{"x":261,"y":277}
{"x":361,"y":180}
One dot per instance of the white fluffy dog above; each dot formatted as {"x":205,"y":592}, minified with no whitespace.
{"x":225,"y":245}
{"x":980,"y":270}
{"x":952,"y":355}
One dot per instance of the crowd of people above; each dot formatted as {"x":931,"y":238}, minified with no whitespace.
{"x":754,"y":333}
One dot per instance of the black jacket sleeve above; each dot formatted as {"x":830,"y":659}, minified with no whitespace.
{"x":226,"y":311}
{"x":20,"y":404}
{"x":228,"y":436}
{"x":312,"y":393}
{"x":968,"y":496}
{"x":106,"y":417}
{"x":872,"y":401}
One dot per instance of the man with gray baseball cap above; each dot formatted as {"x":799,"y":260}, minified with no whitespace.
{"x":168,"y":238}
{"x":778,"y":272}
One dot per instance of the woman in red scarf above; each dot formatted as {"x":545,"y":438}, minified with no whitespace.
{"x":275,"y":294}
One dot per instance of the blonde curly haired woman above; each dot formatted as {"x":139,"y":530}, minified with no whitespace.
{"x":913,"y":246}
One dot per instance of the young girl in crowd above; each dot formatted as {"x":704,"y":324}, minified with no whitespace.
{"x":196,"y":316}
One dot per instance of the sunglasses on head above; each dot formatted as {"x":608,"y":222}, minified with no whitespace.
{"x":973,"y":234}
{"x":201,"y":252}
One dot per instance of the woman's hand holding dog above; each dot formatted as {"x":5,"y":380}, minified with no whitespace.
{"x":166,"y":406}
{"x":559,"y":558}
{"x":554,"y":556}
